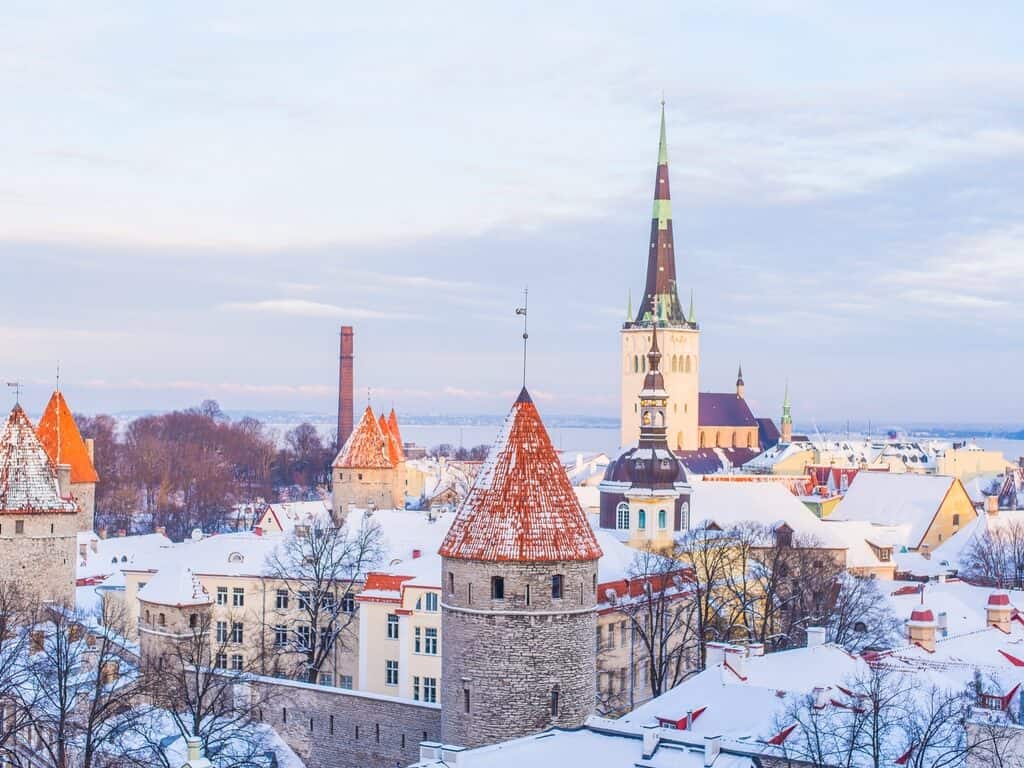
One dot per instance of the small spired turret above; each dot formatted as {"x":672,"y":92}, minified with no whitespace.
{"x":787,"y":418}
{"x":645,"y":492}
{"x":519,"y":595}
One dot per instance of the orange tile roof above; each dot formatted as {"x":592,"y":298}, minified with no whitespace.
{"x":522,"y":507}
{"x":366,"y":447}
{"x":63,"y":442}
{"x":394,"y":447}
{"x":393,"y":423}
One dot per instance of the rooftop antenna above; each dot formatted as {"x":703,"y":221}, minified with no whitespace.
{"x":369,"y":399}
{"x":526,"y":336}
{"x":16,"y":386}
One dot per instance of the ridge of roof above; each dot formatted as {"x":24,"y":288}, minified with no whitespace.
{"x":58,"y":433}
{"x":522,"y":507}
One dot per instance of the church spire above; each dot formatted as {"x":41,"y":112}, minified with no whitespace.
{"x":661,"y":260}
{"x":787,"y":417}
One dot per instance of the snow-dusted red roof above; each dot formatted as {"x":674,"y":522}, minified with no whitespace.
{"x":63,"y":442}
{"x":394,"y":447}
{"x":366,"y":447}
{"x":28,"y":479}
{"x":522,"y":507}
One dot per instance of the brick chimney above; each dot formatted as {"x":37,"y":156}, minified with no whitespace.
{"x":921,"y":628}
{"x":998,"y":611}
{"x":64,"y":479}
{"x":345,"y":386}
{"x":992,"y":505}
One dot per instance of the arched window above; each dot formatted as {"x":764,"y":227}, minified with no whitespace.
{"x":646,"y":419}
{"x":679,"y":440}
{"x":622,"y":516}
{"x":684,"y":516}
{"x":662,"y":519}
{"x":641,"y":519}
{"x":643,"y":364}
{"x":688,"y":364}
{"x":660,"y":420}
{"x":703,"y":440}
{"x":161,"y":619}
{"x":675,"y":363}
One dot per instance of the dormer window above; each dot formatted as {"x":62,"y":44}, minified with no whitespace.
{"x":236,"y":557}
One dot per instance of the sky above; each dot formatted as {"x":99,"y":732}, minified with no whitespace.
{"x":194,"y":196}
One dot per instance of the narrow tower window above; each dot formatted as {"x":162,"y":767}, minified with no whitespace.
{"x":556,"y":586}
{"x":554,"y":701}
{"x":497,"y":588}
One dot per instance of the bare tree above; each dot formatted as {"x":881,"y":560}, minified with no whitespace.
{"x":317,"y":568}
{"x":659,"y":609}
{"x":860,"y":618}
{"x":995,"y":557}
{"x":193,"y":685}
{"x":80,"y":678}
{"x":13,"y":673}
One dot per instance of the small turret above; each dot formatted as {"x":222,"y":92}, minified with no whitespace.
{"x":787,"y":418}
{"x":739,"y":382}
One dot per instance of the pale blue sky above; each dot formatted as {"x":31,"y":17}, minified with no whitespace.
{"x":192,"y":199}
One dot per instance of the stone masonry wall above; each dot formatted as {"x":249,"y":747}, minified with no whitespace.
{"x":85,"y":495}
{"x":510,"y":656}
{"x":40,"y":559}
{"x":335,"y":728}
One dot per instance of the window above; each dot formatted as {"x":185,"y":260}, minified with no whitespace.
{"x":599,"y":647}
{"x":193,"y":620}
{"x":238,"y":597}
{"x":305,"y":636}
{"x":236,"y":662}
{"x":622,"y":516}
{"x":415,"y":688}
{"x":527,"y":594}
{"x":348,"y":604}
{"x":345,"y":681}
{"x":554,"y":701}
{"x":281,"y":602}
{"x":684,"y":516}
{"x":417,"y":640}
{"x":556,"y":586}
{"x":641,"y":519}
{"x":430,"y":642}
{"x":431,"y":599}
{"x":161,"y":619}
{"x":465,"y":698}
{"x":956,"y":519}
{"x":497,"y":588}
{"x":611,"y":636}
{"x":392,"y":626}
{"x":222,"y":631}
{"x":19,"y":526}
{"x":222,"y":661}
{"x":390,"y":672}
{"x":222,"y":595}
{"x":280,"y":635}
{"x":236,"y":631}
{"x":451,"y":582}
{"x":304,"y":600}
{"x":662,"y":519}
{"x":430,"y":690}
{"x":326,"y":678}
{"x":622,"y":634}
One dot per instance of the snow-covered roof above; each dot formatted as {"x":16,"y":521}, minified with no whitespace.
{"x":28,"y":479}
{"x":895,"y":499}
{"x":175,"y":586}
{"x":958,"y":545}
{"x":366,"y":447}
{"x":599,"y":744}
{"x":102,"y":557}
{"x":522,"y":506}
{"x":287,"y":515}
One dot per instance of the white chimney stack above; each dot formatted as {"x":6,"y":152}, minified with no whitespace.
{"x":652,"y":737}
{"x":815,"y":637}
{"x":715,"y":654}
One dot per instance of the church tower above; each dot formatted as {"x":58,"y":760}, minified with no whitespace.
{"x":680,"y":333}
{"x":787,"y":418}
{"x":519,"y":595}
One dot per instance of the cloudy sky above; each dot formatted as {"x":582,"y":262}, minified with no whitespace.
{"x":192,"y":199}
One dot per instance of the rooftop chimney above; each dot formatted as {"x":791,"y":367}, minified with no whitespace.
{"x":651,"y":736}
{"x":714,"y":654}
{"x":712,"y":746}
{"x":921,"y":628}
{"x":345,"y":386}
{"x":998,"y":611}
{"x":815,"y":637}
{"x":90,"y":448}
{"x":992,"y":505}
{"x":64,"y":479}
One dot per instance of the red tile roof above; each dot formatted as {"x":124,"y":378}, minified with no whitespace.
{"x":366,"y":447}
{"x":28,"y":479}
{"x":63,"y":442}
{"x":394,"y":447}
{"x":522,"y":507}
{"x":393,"y":423}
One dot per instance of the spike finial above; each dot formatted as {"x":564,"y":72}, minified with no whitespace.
{"x":662,"y":139}
{"x":526,"y":336}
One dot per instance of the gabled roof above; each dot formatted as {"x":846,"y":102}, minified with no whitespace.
{"x":897,"y":499}
{"x":767,"y":433}
{"x":28,"y":479}
{"x":522,"y":506}
{"x":63,"y":442}
{"x":723,"y":409}
{"x":366,"y":447}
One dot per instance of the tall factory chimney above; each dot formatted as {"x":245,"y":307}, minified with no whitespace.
{"x":345,"y":386}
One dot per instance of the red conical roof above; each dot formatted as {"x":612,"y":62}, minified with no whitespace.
{"x":63,"y":442}
{"x":522,"y":507}
{"x":394,"y":447}
{"x":393,"y":424}
{"x":366,"y":447}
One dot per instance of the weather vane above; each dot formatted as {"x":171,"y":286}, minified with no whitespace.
{"x":522,"y":311}
{"x":16,"y":386}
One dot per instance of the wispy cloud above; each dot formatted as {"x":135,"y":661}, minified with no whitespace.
{"x":304,"y":308}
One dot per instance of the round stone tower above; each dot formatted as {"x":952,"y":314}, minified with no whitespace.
{"x":519,"y":599}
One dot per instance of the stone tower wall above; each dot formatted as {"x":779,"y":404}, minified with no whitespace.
{"x":41,"y":559}
{"x":510,"y":656}
{"x":85,"y":495}
{"x":677,"y":344}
